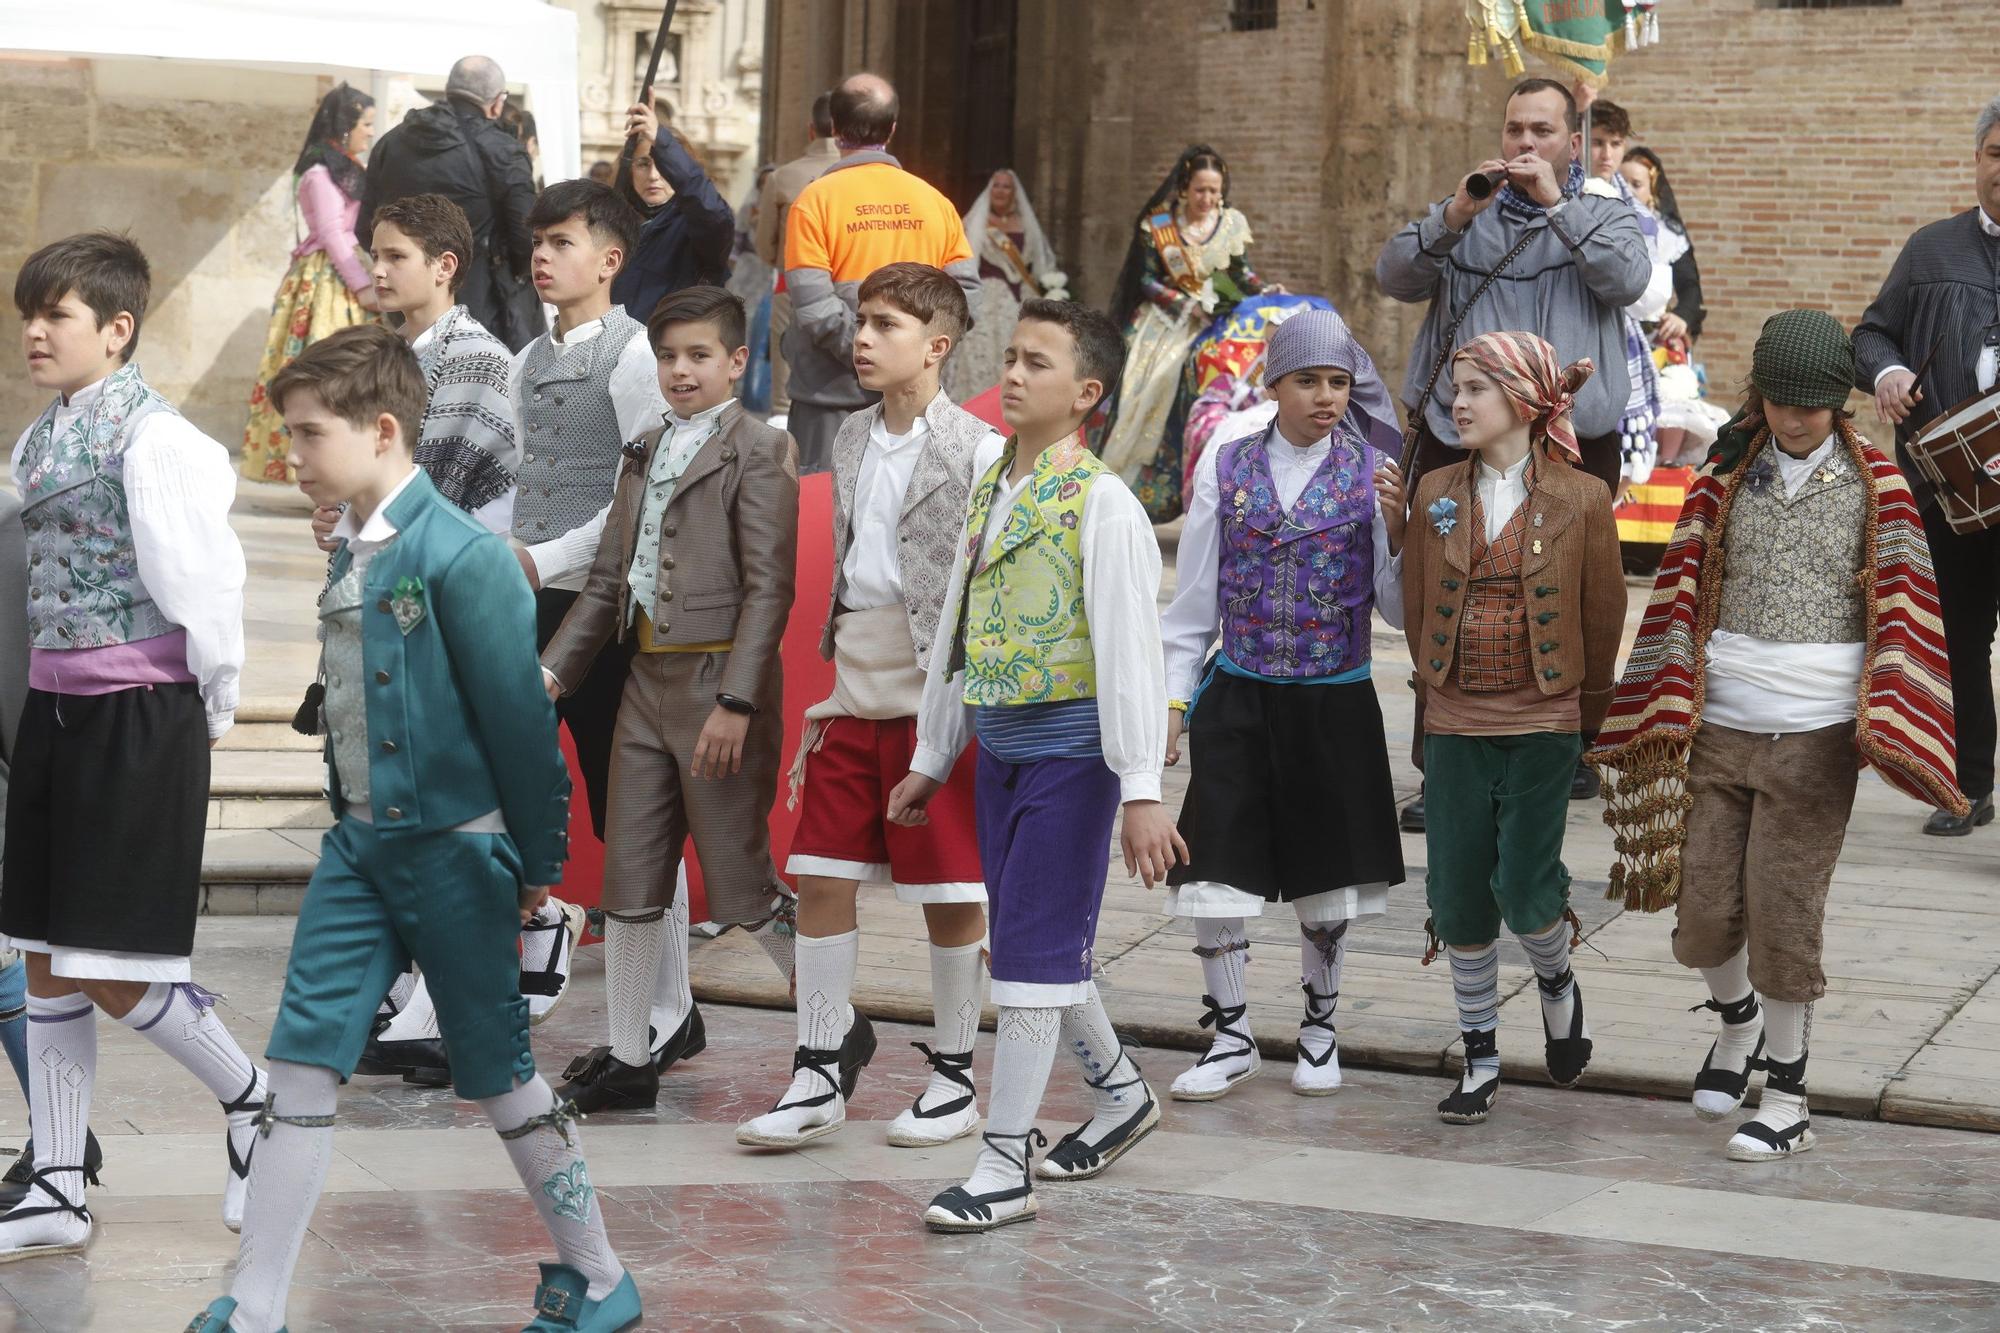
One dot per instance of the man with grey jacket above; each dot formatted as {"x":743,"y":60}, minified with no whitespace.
{"x":1582,"y":259}
{"x":1585,"y":260}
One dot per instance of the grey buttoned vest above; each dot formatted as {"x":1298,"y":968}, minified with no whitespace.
{"x":570,"y":439}
{"x":1791,"y":567}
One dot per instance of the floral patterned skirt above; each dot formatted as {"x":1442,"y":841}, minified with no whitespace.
{"x":312,"y":303}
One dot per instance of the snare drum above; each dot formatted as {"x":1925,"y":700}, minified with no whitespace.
{"x":1959,"y":453}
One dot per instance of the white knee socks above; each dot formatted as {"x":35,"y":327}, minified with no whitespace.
{"x":1024,"y":1051}
{"x":548,"y":1155}
{"x":776,"y":938}
{"x":1225,"y":951}
{"x":417,"y":1019}
{"x":673,"y":997}
{"x":955,"y":974}
{"x":826,"y":966}
{"x":631,"y":967}
{"x":1087,"y":1033}
{"x":1322,"y":953}
{"x":1742,"y":1028}
{"x":180,"y":1019}
{"x":286,"y":1178}
{"x":62,"y":1071}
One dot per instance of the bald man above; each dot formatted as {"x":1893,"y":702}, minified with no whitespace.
{"x":459,"y":149}
{"x":864,"y":211}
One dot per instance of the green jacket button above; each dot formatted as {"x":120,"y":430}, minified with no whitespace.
{"x":1445,"y":611}
{"x":1449,"y":585}
{"x":1546,"y":616}
{"x":1438,"y":639}
{"x":1550,"y":673}
{"x":1548,"y":647}
{"x":1436,"y":665}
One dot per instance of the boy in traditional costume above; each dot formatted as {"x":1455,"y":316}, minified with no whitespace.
{"x":696,"y":568}
{"x":902,"y":471}
{"x":1792,"y":636}
{"x":1293,"y":536}
{"x":134,"y":602}
{"x":452,"y":804}
{"x":1053,"y":661}
{"x":1514,"y":605}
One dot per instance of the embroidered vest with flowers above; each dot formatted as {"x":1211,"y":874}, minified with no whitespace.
{"x":1023,"y":635}
{"x":1493,"y":635}
{"x":1296,"y":586}
{"x":84,"y":589}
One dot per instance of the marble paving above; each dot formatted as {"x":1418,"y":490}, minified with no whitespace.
{"x":1568,"y":1210}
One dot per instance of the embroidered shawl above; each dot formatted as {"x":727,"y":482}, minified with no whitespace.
{"x":1903,"y":723}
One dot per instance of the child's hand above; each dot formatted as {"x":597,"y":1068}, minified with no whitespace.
{"x":907,"y":801}
{"x":1176,"y":719}
{"x":1389,"y":491}
{"x":531,"y":901}
{"x":323,"y":520}
{"x":552,"y":685}
{"x":1151,"y":843}
{"x":718,"y":751}
{"x":528,"y":567}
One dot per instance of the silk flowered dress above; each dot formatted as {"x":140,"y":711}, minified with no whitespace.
{"x":318,"y":297}
{"x":1142,"y":441}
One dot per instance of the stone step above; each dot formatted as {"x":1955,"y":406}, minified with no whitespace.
{"x":251,"y":773}
{"x":256,"y":871}
{"x":274,"y":736}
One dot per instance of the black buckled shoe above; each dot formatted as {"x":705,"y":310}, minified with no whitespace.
{"x":1569,"y":1055}
{"x":1076,"y":1158}
{"x":960,"y":1210}
{"x":421,"y":1060}
{"x":1463,"y":1107}
{"x":689,"y":1039}
{"x":599,"y":1081}
{"x":20,"y":1177}
{"x":1945,"y":824}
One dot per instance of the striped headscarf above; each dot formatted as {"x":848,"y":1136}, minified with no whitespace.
{"x":1524,"y":366}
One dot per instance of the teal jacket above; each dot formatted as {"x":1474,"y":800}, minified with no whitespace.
{"x":458,"y":721}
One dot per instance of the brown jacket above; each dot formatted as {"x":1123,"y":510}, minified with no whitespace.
{"x":781,"y":190}
{"x":727,"y":561}
{"x":1574,"y":586}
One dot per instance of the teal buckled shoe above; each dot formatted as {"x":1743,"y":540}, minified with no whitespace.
{"x":215,"y":1319}
{"x":561,"y":1305}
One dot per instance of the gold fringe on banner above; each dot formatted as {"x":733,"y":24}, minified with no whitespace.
{"x":1566,"y":54}
{"x":1646,"y":809}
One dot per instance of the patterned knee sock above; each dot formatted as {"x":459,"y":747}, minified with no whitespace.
{"x":826,"y":966}
{"x":548,"y":1154}
{"x":179,"y":1018}
{"x":631,"y":966}
{"x":955,"y":974}
{"x":1475,"y":983}
{"x":775,"y":938}
{"x":62,"y":1071}
{"x":417,"y":1020}
{"x":672,"y":996}
{"x":286,"y":1177}
{"x":1087,"y":1032}
{"x":1549,"y":952}
{"x":1024,"y":1050}
{"x":1322,"y":953}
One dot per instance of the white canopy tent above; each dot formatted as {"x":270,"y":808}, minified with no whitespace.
{"x":534,"y":42}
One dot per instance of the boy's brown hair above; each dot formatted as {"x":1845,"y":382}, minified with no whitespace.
{"x":437,"y":225}
{"x":923,"y":293}
{"x":107,"y":271}
{"x":701,"y":305}
{"x":360,"y":373}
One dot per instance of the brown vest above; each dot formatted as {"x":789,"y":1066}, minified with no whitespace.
{"x":1493,"y":636}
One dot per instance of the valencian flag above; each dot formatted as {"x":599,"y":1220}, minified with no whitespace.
{"x":1579,"y":36}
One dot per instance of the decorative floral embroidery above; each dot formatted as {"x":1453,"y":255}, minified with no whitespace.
{"x":570,"y":1191}
{"x":406,"y":602}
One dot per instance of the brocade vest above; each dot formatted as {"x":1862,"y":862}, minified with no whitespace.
{"x":1296,"y":587}
{"x":929,"y":526}
{"x":1023,"y":636}
{"x":1790,"y":566}
{"x":84,"y":589}
{"x":346,"y":703}
{"x":570,"y":440}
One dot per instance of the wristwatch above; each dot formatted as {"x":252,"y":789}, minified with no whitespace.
{"x":734,"y":704}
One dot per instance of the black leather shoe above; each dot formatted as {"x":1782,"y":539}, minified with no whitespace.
{"x":690,"y":1038}
{"x":599,"y":1081}
{"x":1945,"y":824}
{"x":1583,"y":784}
{"x":1412,"y":818}
{"x":422,"y":1061}
{"x":20,"y":1177}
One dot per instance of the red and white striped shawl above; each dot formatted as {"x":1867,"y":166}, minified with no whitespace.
{"x":1903,"y":719}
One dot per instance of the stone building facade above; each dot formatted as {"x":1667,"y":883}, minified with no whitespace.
{"x":1804,"y":143}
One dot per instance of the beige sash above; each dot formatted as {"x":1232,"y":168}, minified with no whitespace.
{"x":875,"y":677}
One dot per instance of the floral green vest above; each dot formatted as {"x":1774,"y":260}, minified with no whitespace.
{"x":84,"y":589}
{"x":1023,"y":635}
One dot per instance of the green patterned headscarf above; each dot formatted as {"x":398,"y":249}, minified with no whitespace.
{"x":1803,"y":358}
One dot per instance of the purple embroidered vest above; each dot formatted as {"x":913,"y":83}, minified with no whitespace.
{"x":1296,"y":588}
